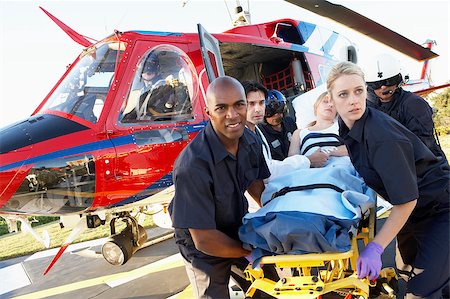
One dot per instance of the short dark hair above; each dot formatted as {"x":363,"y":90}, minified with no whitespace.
{"x":254,"y":86}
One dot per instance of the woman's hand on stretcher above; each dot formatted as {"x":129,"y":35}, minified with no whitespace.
{"x":369,"y":261}
{"x":340,"y":151}
{"x":318,"y":158}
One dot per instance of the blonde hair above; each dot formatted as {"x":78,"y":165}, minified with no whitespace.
{"x":319,"y":100}
{"x":343,"y":68}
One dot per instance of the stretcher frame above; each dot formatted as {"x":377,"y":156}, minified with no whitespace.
{"x":317,"y":274}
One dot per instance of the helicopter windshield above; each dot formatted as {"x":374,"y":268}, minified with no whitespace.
{"x":84,"y":89}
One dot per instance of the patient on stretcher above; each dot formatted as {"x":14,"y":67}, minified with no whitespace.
{"x":310,"y":210}
{"x":304,"y":141}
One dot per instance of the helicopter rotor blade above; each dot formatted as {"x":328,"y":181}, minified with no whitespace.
{"x":366,"y":26}
{"x":80,"y":39}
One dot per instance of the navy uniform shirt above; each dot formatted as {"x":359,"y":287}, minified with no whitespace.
{"x":210,"y":184}
{"x":414,"y":113}
{"x":396,"y":164}
{"x":279,"y":142}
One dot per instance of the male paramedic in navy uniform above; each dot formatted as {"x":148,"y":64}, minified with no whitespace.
{"x":211,"y":175}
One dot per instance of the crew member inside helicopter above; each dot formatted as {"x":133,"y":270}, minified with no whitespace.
{"x":150,"y":82}
{"x":157,"y":92}
{"x":150,"y":74}
{"x":277,"y":127}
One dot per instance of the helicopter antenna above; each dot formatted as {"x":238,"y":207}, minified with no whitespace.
{"x":228,"y":10}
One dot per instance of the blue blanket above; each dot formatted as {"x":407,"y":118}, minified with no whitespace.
{"x":313,"y":214}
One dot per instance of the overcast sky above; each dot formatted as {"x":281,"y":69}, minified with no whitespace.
{"x":34,"y":51}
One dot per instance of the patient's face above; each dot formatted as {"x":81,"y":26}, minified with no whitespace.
{"x":326,"y":109}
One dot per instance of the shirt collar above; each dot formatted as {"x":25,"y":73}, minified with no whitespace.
{"x":270,"y":128}
{"x":357,"y":130}
{"x":219,"y":151}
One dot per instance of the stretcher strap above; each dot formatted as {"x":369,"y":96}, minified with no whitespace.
{"x":305,"y":187}
{"x":321,"y":144}
{"x":321,"y":135}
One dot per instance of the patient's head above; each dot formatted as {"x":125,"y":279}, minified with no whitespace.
{"x":324,"y":108}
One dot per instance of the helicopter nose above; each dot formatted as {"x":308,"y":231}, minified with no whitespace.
{"x":38,"y":128}
{"x":15,"y":137}
{"x":17,"y":151}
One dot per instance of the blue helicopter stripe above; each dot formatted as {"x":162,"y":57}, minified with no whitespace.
{"x":196,"y":127}
{"x":71,"y":151}
{"x":320,"y":81}
{"x":157,"y":186}
{"x":306,"y":30}
{"x":97,"y":145}
{"x":299,"y":48}
{"x":161,"y":33}
{"x":326,"y":48}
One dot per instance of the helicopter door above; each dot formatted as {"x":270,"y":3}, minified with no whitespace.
{"x":209,"y":46}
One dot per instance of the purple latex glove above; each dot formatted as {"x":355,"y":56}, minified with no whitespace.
{"x":249,"y":258}
{"x":369,"y":261}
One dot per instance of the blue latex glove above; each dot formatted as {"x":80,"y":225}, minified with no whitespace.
{"x":369,"y":261}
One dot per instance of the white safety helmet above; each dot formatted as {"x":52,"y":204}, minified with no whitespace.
{"x":382,"y":67}
{"x":383,"y":70}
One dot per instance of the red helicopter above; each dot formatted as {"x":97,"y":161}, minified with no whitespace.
{"x":102,"y":144}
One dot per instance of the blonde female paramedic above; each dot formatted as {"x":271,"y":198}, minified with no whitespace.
{"x":398,"y":166}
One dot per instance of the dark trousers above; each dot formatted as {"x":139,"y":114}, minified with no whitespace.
{"x":210,"y":278}
{"x":423,"y":256}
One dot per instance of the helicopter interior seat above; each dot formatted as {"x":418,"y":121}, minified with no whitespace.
{"x":135,"y":107}
{"x":83,"y":107}
{"x":86,"y":109}
{"x":89,"y":115}
{"x":167,"y":103}
{"x":132,"y":103}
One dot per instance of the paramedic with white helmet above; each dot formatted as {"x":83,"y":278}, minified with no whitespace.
{"x":384,"y":80}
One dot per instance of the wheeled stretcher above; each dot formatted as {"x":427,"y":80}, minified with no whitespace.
{"x":320,"y":275}
{"x":309,"y":225}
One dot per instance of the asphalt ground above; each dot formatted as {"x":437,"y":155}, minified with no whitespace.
{"x":154,"y":272}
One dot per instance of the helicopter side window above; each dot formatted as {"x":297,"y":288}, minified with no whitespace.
{"x":163,"y":88}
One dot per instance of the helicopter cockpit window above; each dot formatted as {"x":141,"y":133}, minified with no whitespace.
{"x":84,"y":89}
{"x":163,"y":87}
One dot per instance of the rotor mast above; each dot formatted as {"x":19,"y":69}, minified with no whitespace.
{"x":241,"y":17}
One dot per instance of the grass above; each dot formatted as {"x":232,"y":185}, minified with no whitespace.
{"x":20,"y":244}
{"x":34,"y":221}
{"x":445,"y":144}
